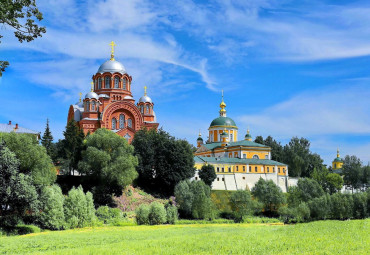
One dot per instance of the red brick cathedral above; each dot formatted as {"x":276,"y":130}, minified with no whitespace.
{"x":110,"y":104}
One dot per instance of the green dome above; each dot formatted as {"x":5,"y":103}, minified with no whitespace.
{"x":200,"y":139}
{"x":248,"y":136}
{"x":223,"y":121}
{"x":338,"y":160}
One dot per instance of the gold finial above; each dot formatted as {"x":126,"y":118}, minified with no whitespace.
{"x":338,"y":153}
{"x":145,"y":87}
{"x":112,"y":44}
{"x":248,"y":131}
{"x":92,"y":86}
{"x":80,"y":96}
{"x":200,"y":133}
{"x":222,"y":106}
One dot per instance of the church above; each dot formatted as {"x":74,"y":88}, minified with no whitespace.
{"x":110,"y":104}
{"x":239,"y":164}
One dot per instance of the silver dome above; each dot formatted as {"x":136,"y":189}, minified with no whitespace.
{"x":145,"y":99}
{"x":112,"y":66}
{"x":91,"y":95}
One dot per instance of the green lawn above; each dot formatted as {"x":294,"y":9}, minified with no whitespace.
{"x":323,"y":237}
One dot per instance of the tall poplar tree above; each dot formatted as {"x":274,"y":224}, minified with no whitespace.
{"x":47,"y":141}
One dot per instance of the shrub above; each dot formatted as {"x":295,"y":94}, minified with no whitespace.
{"x":242,"y":204}
{"x":26,"y":229}
{"x":157,"y":214}
{"x":320,"y":207}
{"x":268,"y":193}
{"x":109,"y":215}
{"x":341,"y":206}
{"x":359,"y":205}
{"x":52,"y":212}
{"x":142,"y":214}
{"x":172,"y":214}
{"x":202,"y":207}
{"x":79,"y":209}
{"x":184,"y":198}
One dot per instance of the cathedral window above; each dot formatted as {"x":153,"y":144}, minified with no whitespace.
{"x":114,"y":123}
{"x":107,"y":82}
{"x":147,"y":109}
{"x":99,"y":83}
{"x":250,"y":169}
{"x":129,"y":123}
{"x":255,"y":157}
{"x":255,"y":169}
{"x":122,"y":121}
{"x":243,"y":168}
{"x":218,"y":169}
{"x":87,"y":106}
{"x":124,"y":84}
{"x":116,"y":82}
{"x":93,"y":106}
{"x":231,"y":137}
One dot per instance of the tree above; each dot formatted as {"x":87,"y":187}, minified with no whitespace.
{"x":277,"y":152}
{"x":32,"y":157}
{"x":242,"y":204}
{"x":184,"y":198}
{"x":20,"y":15}
{"x":157,"y":214}
{"x":202,"y":207}
{"x":52,"y":212}
{"x":109,"y":160}
{"x":309,"y":189}
{"x":352,"y":172}
{"x":47,"y":141}
{"x":17,"y":193}
{"x":334,"y":183}
{"x":72,"y":146}
{"x":207,"y":174}
{"x":163,"y":161}
{"x":268,"y":193}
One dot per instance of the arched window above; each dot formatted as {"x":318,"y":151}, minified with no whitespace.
{"x":129,"y":123}
{"x":99,"y":83}
{"x":87,"y":106}
{"x":142,"y":109}
{"x":107,"y":82}
{"x":114,"y":123}
{"x":231,"y":137}
{"x":256,"y":157}
{"x":93,"y":106}
{"x":124,"y":84}
{"x":122,"y":121}
{"x":147,"y":109}
{"x":116,"y":82}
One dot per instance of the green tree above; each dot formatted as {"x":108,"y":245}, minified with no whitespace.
{"x":352,"y":172}
{"x":277,"y":152}
{"x":359,"y":205}
{"x":309,"y":189}
{"x":109,"y":160}
{"x":184,"y":198}
{"x":142,"y":214}
{"x":341,"y":206}
{"x":17,"y":193}
{"x":52,"y":212}
{"x":163,"y":161}
{"x":268,"y":193}
{"x":157,"y":214}
{"x":242,"y":204}
{"x":320,"y":207}
{"x":72,"y":146}
{"x":20,"y":15}
{"x":79,"y":209}
{"x":207,"y":174}
{"x":202,"y":207}
{"x":47,"y":141}
{"x":32,"y":157}
{"x":334,"y":183}
{"x":365,"y":177}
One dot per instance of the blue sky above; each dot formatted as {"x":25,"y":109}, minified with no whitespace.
{"x":287,"y":68}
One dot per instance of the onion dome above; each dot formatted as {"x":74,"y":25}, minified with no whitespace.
{"x":145,"y":98}
{"x":248,"y":135}
{"x":223,"y":121}
{"x":112,"y":66}
{"x":92,"y":95}
{"x":338,"y":158}
{"x":200,"y":137}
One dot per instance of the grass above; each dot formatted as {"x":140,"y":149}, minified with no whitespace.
{"x":322,"y":237}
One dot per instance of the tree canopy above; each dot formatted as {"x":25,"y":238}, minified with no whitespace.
{"x":268,"y":193}
{"x":207,"y":174}
{"x":163,"y":161}
{"x":47,"y":141}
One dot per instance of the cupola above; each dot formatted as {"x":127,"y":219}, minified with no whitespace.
{"x":248,"y":136}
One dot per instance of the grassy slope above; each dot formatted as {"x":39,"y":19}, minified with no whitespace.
{"x":325,"y":237}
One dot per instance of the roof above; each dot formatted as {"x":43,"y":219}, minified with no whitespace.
{"x":246,"y":143}
{"x":112,"y":66}
{"x":223,"y":121}
{"x":251,"y":161}
{"x":338,"y":160}
{"x":6,"y":128}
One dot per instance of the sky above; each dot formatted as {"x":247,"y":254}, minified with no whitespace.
{"x":287,"y":68}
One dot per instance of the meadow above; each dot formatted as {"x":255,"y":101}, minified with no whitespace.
{"x":321,"y":237}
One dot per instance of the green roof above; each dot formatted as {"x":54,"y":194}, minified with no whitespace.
{"x":338,"y":160}
{"x":251,"y":161}
{"x":200,"y":139}
{"x":246,"y":143}
{"x":223,"y":121}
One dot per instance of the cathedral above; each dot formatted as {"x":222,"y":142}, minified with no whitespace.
{"x":110,"y":104}
{"x":239,"y":164}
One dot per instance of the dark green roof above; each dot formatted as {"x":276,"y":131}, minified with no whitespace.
{"x":248,"y":136}
{"x":200,"y":139}
{"x":338,"y":160}
{"x":223,"y":121}
{"x":251,"y":161}
{"x":246,"y":143}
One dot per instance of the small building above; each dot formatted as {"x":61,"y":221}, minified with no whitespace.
{"x":239,"y":164}
{"x":8,"y":128}
{"x":337,"y":164}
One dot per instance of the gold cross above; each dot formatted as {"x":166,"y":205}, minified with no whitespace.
{"x":80,"y":96}
{"x":92,"y":86}
{"x":112,"y":44}
{"x":145,"y":87}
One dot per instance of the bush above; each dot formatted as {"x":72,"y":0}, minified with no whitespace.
{"x":320,"y":207}
{"x":249,"y":219}
{"x":242,"y":204}
{"x":157,"y":214}
{"x":184,"y":198}
{"x":341,"y":206}
{"x":202,"y":207}
{"x":142,"y":214}
{"x":268,"y":193}
{"x":359,"y":205}
{"x":52,"y":212}
{"x":79,"y":209}
{"x":172,"y":214}
{"x":109,"y":215}
{"x":26,"y":229}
